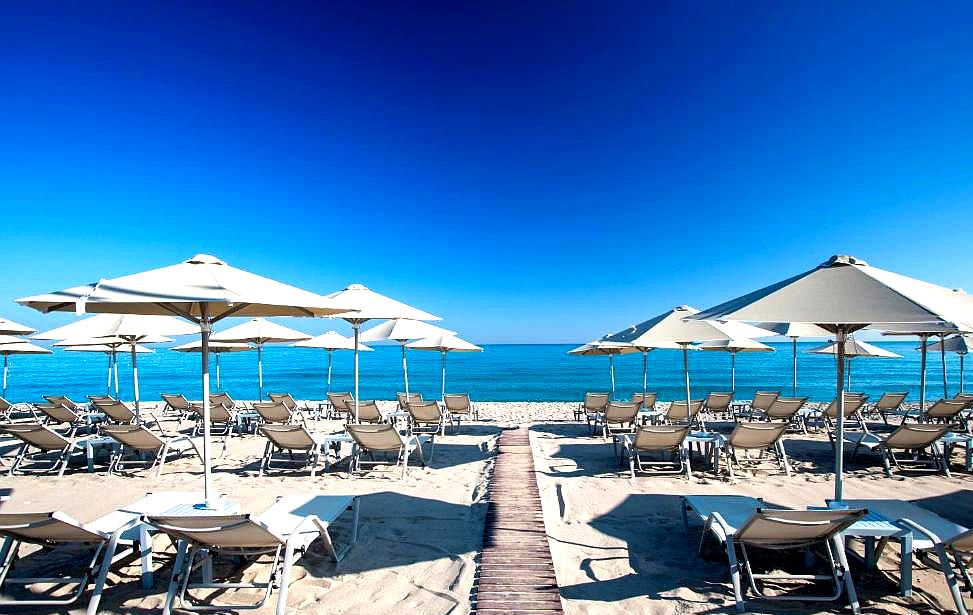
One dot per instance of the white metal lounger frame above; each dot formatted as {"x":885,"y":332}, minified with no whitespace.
{"x":681,"y":459}
{"x":159,"y":459}
{"x":312,"y":454}
{"x":937,"y":460}
{"x":61,"y":457}
{"x":944,"y":548}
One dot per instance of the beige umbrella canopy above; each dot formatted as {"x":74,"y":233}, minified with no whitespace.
{"x":217,"y":348}
{"x":331,"y":341}
{"x":924,"y":331}
{"x":733,"y":347}
{"x":9,"y":327}
{"x":13,"y":345}
{"x":605,"y":348}
{"x":110,"y":351}
{"x":402,"y":330}
{"x":961,"y":345}
{"x":855,"y":348}
{"x":370,"y":305}
{"x":129,"y":328}
{"x":115,"y":344}
{"x":444,"y":344}
{"x":794,"y":330}
{"x":260,"y":331}
{"x":842,"y":295}
{"x":203,"y":290}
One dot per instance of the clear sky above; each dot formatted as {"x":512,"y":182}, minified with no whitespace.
{"x":533,"y":172}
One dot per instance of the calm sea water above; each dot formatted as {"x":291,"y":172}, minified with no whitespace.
{"x":501,"y":373}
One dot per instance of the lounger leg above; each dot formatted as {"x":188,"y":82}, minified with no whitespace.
{"x":688,"y":461}
{"x":177,"y":571}
{"x":8,"y":553}
{"x":783,"y":457}
{"x":162,"y":456}
{"x":66,"y":454}
{"x":106,"y":558}
{"x":886,"y":454}
{"x":731,"y":556}
{"x":285,"y":578}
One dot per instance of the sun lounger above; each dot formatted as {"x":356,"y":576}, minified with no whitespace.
{"x":854,"y":403}
{"x":676,"y":414}
{"x":757,"y":408}
{"x":288,"y":400}
{"x":914,"y":438}
{"x":289,"y":438}
{"x":889,"y":404}
{"x":404,"y":400}
{"x":383,"y":438}
{"x":647,"y":402}
{"x":61,"y":400}
{"x":278,"y":412}
{"x":285,"y":531}
{"x":760,"y":437}
{"x":341,"y":403}
{"x":664,"y":439}
{"x":427,"y":417}
{"x":46,"y":441}
{"x":7,"y":410}
{"x":718,"y":404}
{"x":459,"y":405}
{"x":942,"y":411}
{"x":140,"y":440}
{"x":222,"y":420}
{"x":118,"y":412}
{"x":73,"y":420}
{"x":177,"y":404}
{"x":740,"y":522}
{"x":593,"y":402}
{"x":110,"y":539}
{"x":368,"y":412}
{"x":788,"y":410}
{"x":618,"y":417}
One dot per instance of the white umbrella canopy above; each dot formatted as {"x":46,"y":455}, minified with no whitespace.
{"x":734,"y":346}
{"x":444,"y":344}
{"x":605,"y":348}
{"x":216,"y":348}
{"x":139,"y":348}
{"x":402,"y":330}
{"x":794,"y":330}
{"x":370,"y":305}
{"x":260,"y":331}
{"x":127,"y":327}
{"x":19,"y":346}
{"x":855,"y":348}
{"x":203,"y":290}
{"x":842,"y":295}
{"x":331,"y":341}
{"x":9,"y":327}
{"x":11,"y":339}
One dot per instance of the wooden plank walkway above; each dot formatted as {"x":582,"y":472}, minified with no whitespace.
{"x":516,"y":573}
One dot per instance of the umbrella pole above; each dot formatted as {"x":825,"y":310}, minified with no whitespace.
{"x":849,"y":373}
{"x":135,"y":380}
{"x":839,"y":458}
{"x":685,"y":369}
{"x":260,"y":372}
{"x":961,"y":357}
{"x":794,"y":352}
{"x":733,"y":372}
{"x":356,"y":325}
{"x":405,"y":372}
{"x":218,"y":387}
{"x":922,"y":374}
{"x":114,"y":362}
{"x":645,"y":375}
{"x":611,"y":372}
{"x":444,"y":378}
{"x":108,"y":385}
{"x":205,"y":328}
{"x":330,"y":357}
{"x":6,"y":357}
{"x":942,"y":357}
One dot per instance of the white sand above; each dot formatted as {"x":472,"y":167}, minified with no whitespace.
{"x":618,"y":544}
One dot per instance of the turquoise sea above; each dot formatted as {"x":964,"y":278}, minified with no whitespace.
{"x":500,"y":373}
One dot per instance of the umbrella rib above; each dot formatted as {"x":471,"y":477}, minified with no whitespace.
{"x":177,"y":312}
{"x":230,"y":312}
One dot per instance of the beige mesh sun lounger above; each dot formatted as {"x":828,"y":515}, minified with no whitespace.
{"x":459,"y":405}
{"x":46,"y":441}
{"x":383,"y":438}
{"x":943,"y":411}
{"x":648,"y":402}
{"x":368,"y":412}
{"x":889,"y":404}
{"x":427,"y":417}
{"x":277,"y":412}
{"x":740,"y":522}
{"x":718,"y":403}
{"x":57,"y":414}
{"x":285,"y":532}
{"x":287,"y":399}
{"x":593,"y":402}
{"x":907,"y":437}
{"x":664,"y":439}
{"x":61,"y":400}
{"x":404,"y":400}
{"x":854,"y":403}
{"x":341,"y":403}
{"x":289,"y":438}
{"x":760,"y":437}
{"x":677,"y":414}
{"x":618,"y":417}
{"x":177,"y":404}
{"x":117,"y":412}
{"x":140,"y":440}
{"x":788,"y":410}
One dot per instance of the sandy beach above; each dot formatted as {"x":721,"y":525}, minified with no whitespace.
{"x":618,"y":544}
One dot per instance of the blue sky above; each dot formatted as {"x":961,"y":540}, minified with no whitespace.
{"x":533,"y":172}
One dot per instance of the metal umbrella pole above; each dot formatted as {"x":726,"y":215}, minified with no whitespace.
{"x":135,"y":380}
{"x":114,"y":362}
{"x":6,"y":358}
{"x":942,"y":356}
{"x":839,"y":458}
{"x":330,"y":357}
{"x":443,"y":396}
{"x":923,"y":338}
{"x":685,"y":369}
{"x":260,"y":371}
{"x":218,"y":387}
{"x":645,"y":375}
{"x":733,"y":371}
{"x":205,"y":328}
{"x":356,"y":325}
{"x":962,"y":355}
{"x":108,"y":385}
{"x":794,"y":352}
{"x":405,"y":371}
{"x":611,"y":371}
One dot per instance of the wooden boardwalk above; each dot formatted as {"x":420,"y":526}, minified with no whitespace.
{"x":516,"y":573}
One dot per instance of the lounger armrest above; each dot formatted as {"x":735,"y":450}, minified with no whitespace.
{"x":716,"y":519}
{"x":915,"y":527}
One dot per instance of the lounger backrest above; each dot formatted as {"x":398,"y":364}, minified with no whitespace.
{"x":457,"y":403}
{"x":284,"y":398}
{"x":217,"y":413}
{"x":595,"y":402}
{"x":218,"y":531}
{"x":5,"y":406}
{"x":853,"y":403}
{"x":58,"y":413}
{"x":890,"y":401}
{"x":763,"y":400}
{"x":785,"y":408}
{"x":914,"y":436}
{"x":222,"y":399}
{"x":47,"y":528}
{"x":787,"y":529}
{"x":621,"y":412}
{"x":660,"y":437}
{"x":116,"y":411}
{"x":648,"y":401}
{"x":677,"y":410}
{"x":718,"y":402}
{"x":425,"y":412}
{"x":966,"y":399}
{"x":289,"y":437}
{"x":36,"y":435}
{"x":339,"y":401}
{"x":96,"y":399}
{"x":375,"y":437}
{"x":945,"y":409}
{"x":404,"y":400}
{"x":273,"y":412}
{"x":756,"y":435}
{"x":61,"y":400}
{"x":177,"y":402}
{"x":135,"y":437}
{"x":368,"y":412}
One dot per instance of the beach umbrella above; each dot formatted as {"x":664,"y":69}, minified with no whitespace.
{"x":960,"y":344}
{"x":370,"y":305}
{"x":402,"y":330}
{"x":259,"y":331}
{"x":9,"y":327}
{"x":13,"y":345}
{"x":131,"y":329}
{"x":216,"y":348}
{"x":203,"y":290}
{"x":673,"y":327}
{"x":794,"y":330}
{"x":331,"y":341}
{"x":925,"y":331}
{"x":444,"y":344}
{"x":110,"y":352}
{"x":843,"y":295}
{"x":645,"y":350}
{"x":733,"y":347}
{"x":854,"y":348}
{"x":114,"y":344}
{"x":602,"y":348}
